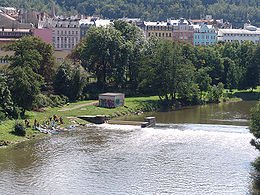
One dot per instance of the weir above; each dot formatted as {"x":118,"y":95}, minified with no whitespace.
{"x":100,"y":119}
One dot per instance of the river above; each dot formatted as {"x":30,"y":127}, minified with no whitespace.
{"x":198,"y":150}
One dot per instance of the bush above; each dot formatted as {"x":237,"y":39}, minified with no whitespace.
{"x":19,"y":129}
{"x":2,"y":116}
{"x":56,"y":100}
{"x":41,"y":101}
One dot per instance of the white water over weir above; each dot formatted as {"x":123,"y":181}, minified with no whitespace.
{"x":170,"y":158}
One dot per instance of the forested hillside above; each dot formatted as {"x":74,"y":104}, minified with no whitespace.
{"x":235,"y":11}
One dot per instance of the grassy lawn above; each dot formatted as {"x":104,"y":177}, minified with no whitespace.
{"x":132,"y":105}
{"x":245,"y":95}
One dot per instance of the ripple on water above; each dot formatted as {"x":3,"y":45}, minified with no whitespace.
{"x":168,"y":158}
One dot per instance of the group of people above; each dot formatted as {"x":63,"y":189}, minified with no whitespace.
{"x":48,"y":122}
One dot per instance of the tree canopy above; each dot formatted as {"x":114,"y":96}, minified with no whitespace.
{"x":235,"y":11}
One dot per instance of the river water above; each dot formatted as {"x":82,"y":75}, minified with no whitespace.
{"x":198,"y":150}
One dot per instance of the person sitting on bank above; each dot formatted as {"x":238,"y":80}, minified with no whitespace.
{"x":61,"y":120}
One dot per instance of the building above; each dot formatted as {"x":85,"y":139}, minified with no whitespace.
{"x":170,"y":30}
{"x":182,"y":30}
{"x":66,"y":33}
{"x":158,"y":29}
{"x":249,"y":33}
{"x":204,"y":34}
{"x":111,"y":100}
{"x":45,"y":34}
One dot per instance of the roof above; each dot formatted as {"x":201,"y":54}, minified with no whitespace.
{"x":155,"y":23}
{"x":103,"y":23}
{"x":111,"y":94}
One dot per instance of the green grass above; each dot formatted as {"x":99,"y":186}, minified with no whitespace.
{"x":245,"y":95}
{"x":132,"y":105}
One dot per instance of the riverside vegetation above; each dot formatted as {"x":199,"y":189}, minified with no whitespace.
{"x":119,"y":59}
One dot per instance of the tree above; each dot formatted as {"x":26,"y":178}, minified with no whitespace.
{"x":101,"y":54}
{"x":6,"y":102}
{"x":70,"y":80}
{"x":203,"y":79}
{"x":255,"y":130}
{"x":134,"y":39}
{"x":24,"y":85}
{"x":34,"y":53}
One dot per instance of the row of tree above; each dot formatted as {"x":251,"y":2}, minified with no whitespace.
{"x":234,"y":11}
{"x":118,"y":58}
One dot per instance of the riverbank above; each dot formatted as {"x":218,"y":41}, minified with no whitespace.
{"x":70,"y":112}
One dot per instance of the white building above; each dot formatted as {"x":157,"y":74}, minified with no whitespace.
{"x":249,"y":33}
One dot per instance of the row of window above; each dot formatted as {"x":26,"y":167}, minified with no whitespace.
{"x":169,"y":28}
{"x":202,"y":43}
{"x":256,"y":41}
{"x":17,"y":34}
{"x":65,"y":32}
{"x":65,"y":39}
{"x":243,"y":35}
{"x":160,"y":34}
{"x":205,"y":37}
{"x":186,"y":35}
{"x":65,"y":46}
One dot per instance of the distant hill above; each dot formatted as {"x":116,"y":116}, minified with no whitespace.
{"x":234,"y":11}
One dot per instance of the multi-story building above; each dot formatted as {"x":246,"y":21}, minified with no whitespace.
{"x":66,"y":33}
{"x":170,"y":30}
{"x":158,"y":29}
{"x":249,"y":33}
{"x":204,"y":34}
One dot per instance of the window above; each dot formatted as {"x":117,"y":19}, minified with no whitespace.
{"x":73,"y":32}
{"x":166,"y":34}
{"x":159,"y":34}
{"x":149,"y":34}
{"x":170,"y":34}
{"x":163,"y":34}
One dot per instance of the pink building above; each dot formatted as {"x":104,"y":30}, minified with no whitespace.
{"x":45,"y":34}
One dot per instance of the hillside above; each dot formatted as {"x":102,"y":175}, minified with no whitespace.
{"x":234,"y":11}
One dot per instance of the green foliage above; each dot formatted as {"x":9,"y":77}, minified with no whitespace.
{"x":70,"y":80}
{"x":6,"y":102}
{"x":57,"y":100}
{"x":215,"y":93}
{"x":24,"y":85}
{"x":235,"y":11}
{"x":32,"y":52}
{"x":19,"y":128}
{"x":255,"y":130}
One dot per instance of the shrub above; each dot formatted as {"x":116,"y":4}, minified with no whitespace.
{"x":19,"y":129}
{"x":41,"y":101}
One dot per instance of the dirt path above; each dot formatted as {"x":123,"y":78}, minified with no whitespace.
{"x":78,"y":106}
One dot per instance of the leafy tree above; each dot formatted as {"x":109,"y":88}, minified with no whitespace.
{"x":6,"y":101}
{"x":101,"y":54}
{"x":24,"y":85}
{"x":203,"y":79}
{"x":34,"y":53}
{"x":70,"y":80}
